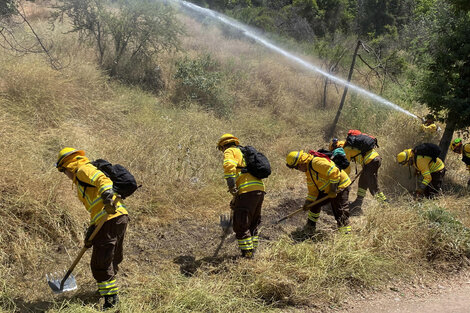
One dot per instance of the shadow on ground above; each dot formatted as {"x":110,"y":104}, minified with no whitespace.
{"x":86,"y":298}
{"x":189,"y":265}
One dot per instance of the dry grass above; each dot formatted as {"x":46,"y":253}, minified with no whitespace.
{"x":171,"y":152}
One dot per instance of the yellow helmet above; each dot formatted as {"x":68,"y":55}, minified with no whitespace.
{"x":292,"y":158}
{"x":456,"y":144}
{"x":64,"y":154}
{"x":225,"y":139}
{"x":404,"y":156}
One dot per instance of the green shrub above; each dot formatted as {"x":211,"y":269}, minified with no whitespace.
{"x":127,"y":35}
{"x":449,"y":238}
{"x":199,"y":80}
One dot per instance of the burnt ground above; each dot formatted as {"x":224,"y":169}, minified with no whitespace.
{"x":194,"y":242}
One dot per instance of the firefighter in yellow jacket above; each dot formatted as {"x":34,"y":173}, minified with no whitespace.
{"x":323,"y":179}
{"x":370,"y":163}
{"x":428,"y":126}
{"x":459,"y":147}
{"x":95,"y":191}
{"x":248,"y":195}
{"x":432,"y":171}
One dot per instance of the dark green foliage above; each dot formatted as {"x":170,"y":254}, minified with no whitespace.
{"x":450,"y":239}
{"x":199,"y":80}
{"x":128,"y":35}
{"x":7,"y":8}
{"x":375,"y":16}
{"x":445,"y":87}
{"x":463,"y":5}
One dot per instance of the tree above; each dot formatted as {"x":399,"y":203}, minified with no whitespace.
{"x":445,"y":88}
{"x":128,"y":35}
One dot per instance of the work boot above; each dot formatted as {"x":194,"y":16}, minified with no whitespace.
{"x":309,"y":229}
{"x":110,"y":301}
{"x":248,"y":254}
{"x":355,"y":208}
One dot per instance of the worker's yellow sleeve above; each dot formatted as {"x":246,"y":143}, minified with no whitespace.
{"x":90,"y":196}
{"x":230,"y":163}
{"x":429,"y":129}
{"x":426,"y":166}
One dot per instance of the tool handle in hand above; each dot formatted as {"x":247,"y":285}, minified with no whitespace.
{"x":302,"y":209}
{"x":80,"y":254}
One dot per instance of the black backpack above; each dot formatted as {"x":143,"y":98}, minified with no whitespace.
{"x":257,"y":164}
{"x":427,"y":149}
{"x":124,"y":182}
{"x":361,"y":141}
{"x":340,"y":159}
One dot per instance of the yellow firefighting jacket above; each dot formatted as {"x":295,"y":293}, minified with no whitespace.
{"x":91,"y":183}
{"x":233,"y":164}
{"x":466,"y":153}
{"x":354,"y":155}
{"x":321,"y":174}
{"x":426,"y":166}
{"x":429,"y":129}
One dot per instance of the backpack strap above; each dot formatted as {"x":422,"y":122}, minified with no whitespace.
{"x":310,"y":169}
{"x":83,"y":184}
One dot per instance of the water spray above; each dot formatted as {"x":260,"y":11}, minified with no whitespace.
{"x":251,"y":34}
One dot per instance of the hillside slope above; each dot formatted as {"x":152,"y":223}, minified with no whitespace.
{"x":169,"y":144}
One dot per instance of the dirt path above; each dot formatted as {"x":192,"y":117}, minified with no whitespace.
{"x":447,"y":296}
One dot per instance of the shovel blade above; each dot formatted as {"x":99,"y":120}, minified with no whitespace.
{"x":54,"y":281}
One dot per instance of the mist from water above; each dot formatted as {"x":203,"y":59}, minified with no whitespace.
{"x":251,"y":34}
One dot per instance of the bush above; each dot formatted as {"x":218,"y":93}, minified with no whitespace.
{"x":127,"y":35}
{"x":199,"y":80}
{"x":449,"y":238}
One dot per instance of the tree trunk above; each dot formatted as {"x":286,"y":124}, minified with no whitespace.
{"x":351,"y":69}
{"x":446,"y":139}
{"x":325,"y":90}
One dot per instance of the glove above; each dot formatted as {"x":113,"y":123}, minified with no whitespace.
{"x":89,"y":231}
{"x":306,"y":206}
{"x":108,"y":202}
{"x":232,"y":186}
{"x":232,"y":204}
{"x":333,"y":190}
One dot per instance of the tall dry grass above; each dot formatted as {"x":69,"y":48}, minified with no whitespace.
{"x":172,"y":153}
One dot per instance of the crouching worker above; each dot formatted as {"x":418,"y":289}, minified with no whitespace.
{"x":95,"y":191}
{"x":324,"y":179}
{"x":428,"y":165}
{"x":459,"y":147}
{"x":248,"y":195}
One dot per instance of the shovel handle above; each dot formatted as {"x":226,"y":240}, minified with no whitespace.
{"x":302,"y":209}
{"x":80,"y":254}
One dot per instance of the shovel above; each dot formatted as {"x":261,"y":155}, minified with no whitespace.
{"x":68,"y":283}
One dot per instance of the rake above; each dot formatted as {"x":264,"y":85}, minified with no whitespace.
{"x":226,"y":222}
{"x":68,"y":282}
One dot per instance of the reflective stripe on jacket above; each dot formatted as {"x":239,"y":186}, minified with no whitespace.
{"x":355,"y":155}
{"x":233,"y":164}
{"x":322,"y":174}
{"x":88,"y":174}
{"x":426,"y":166}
